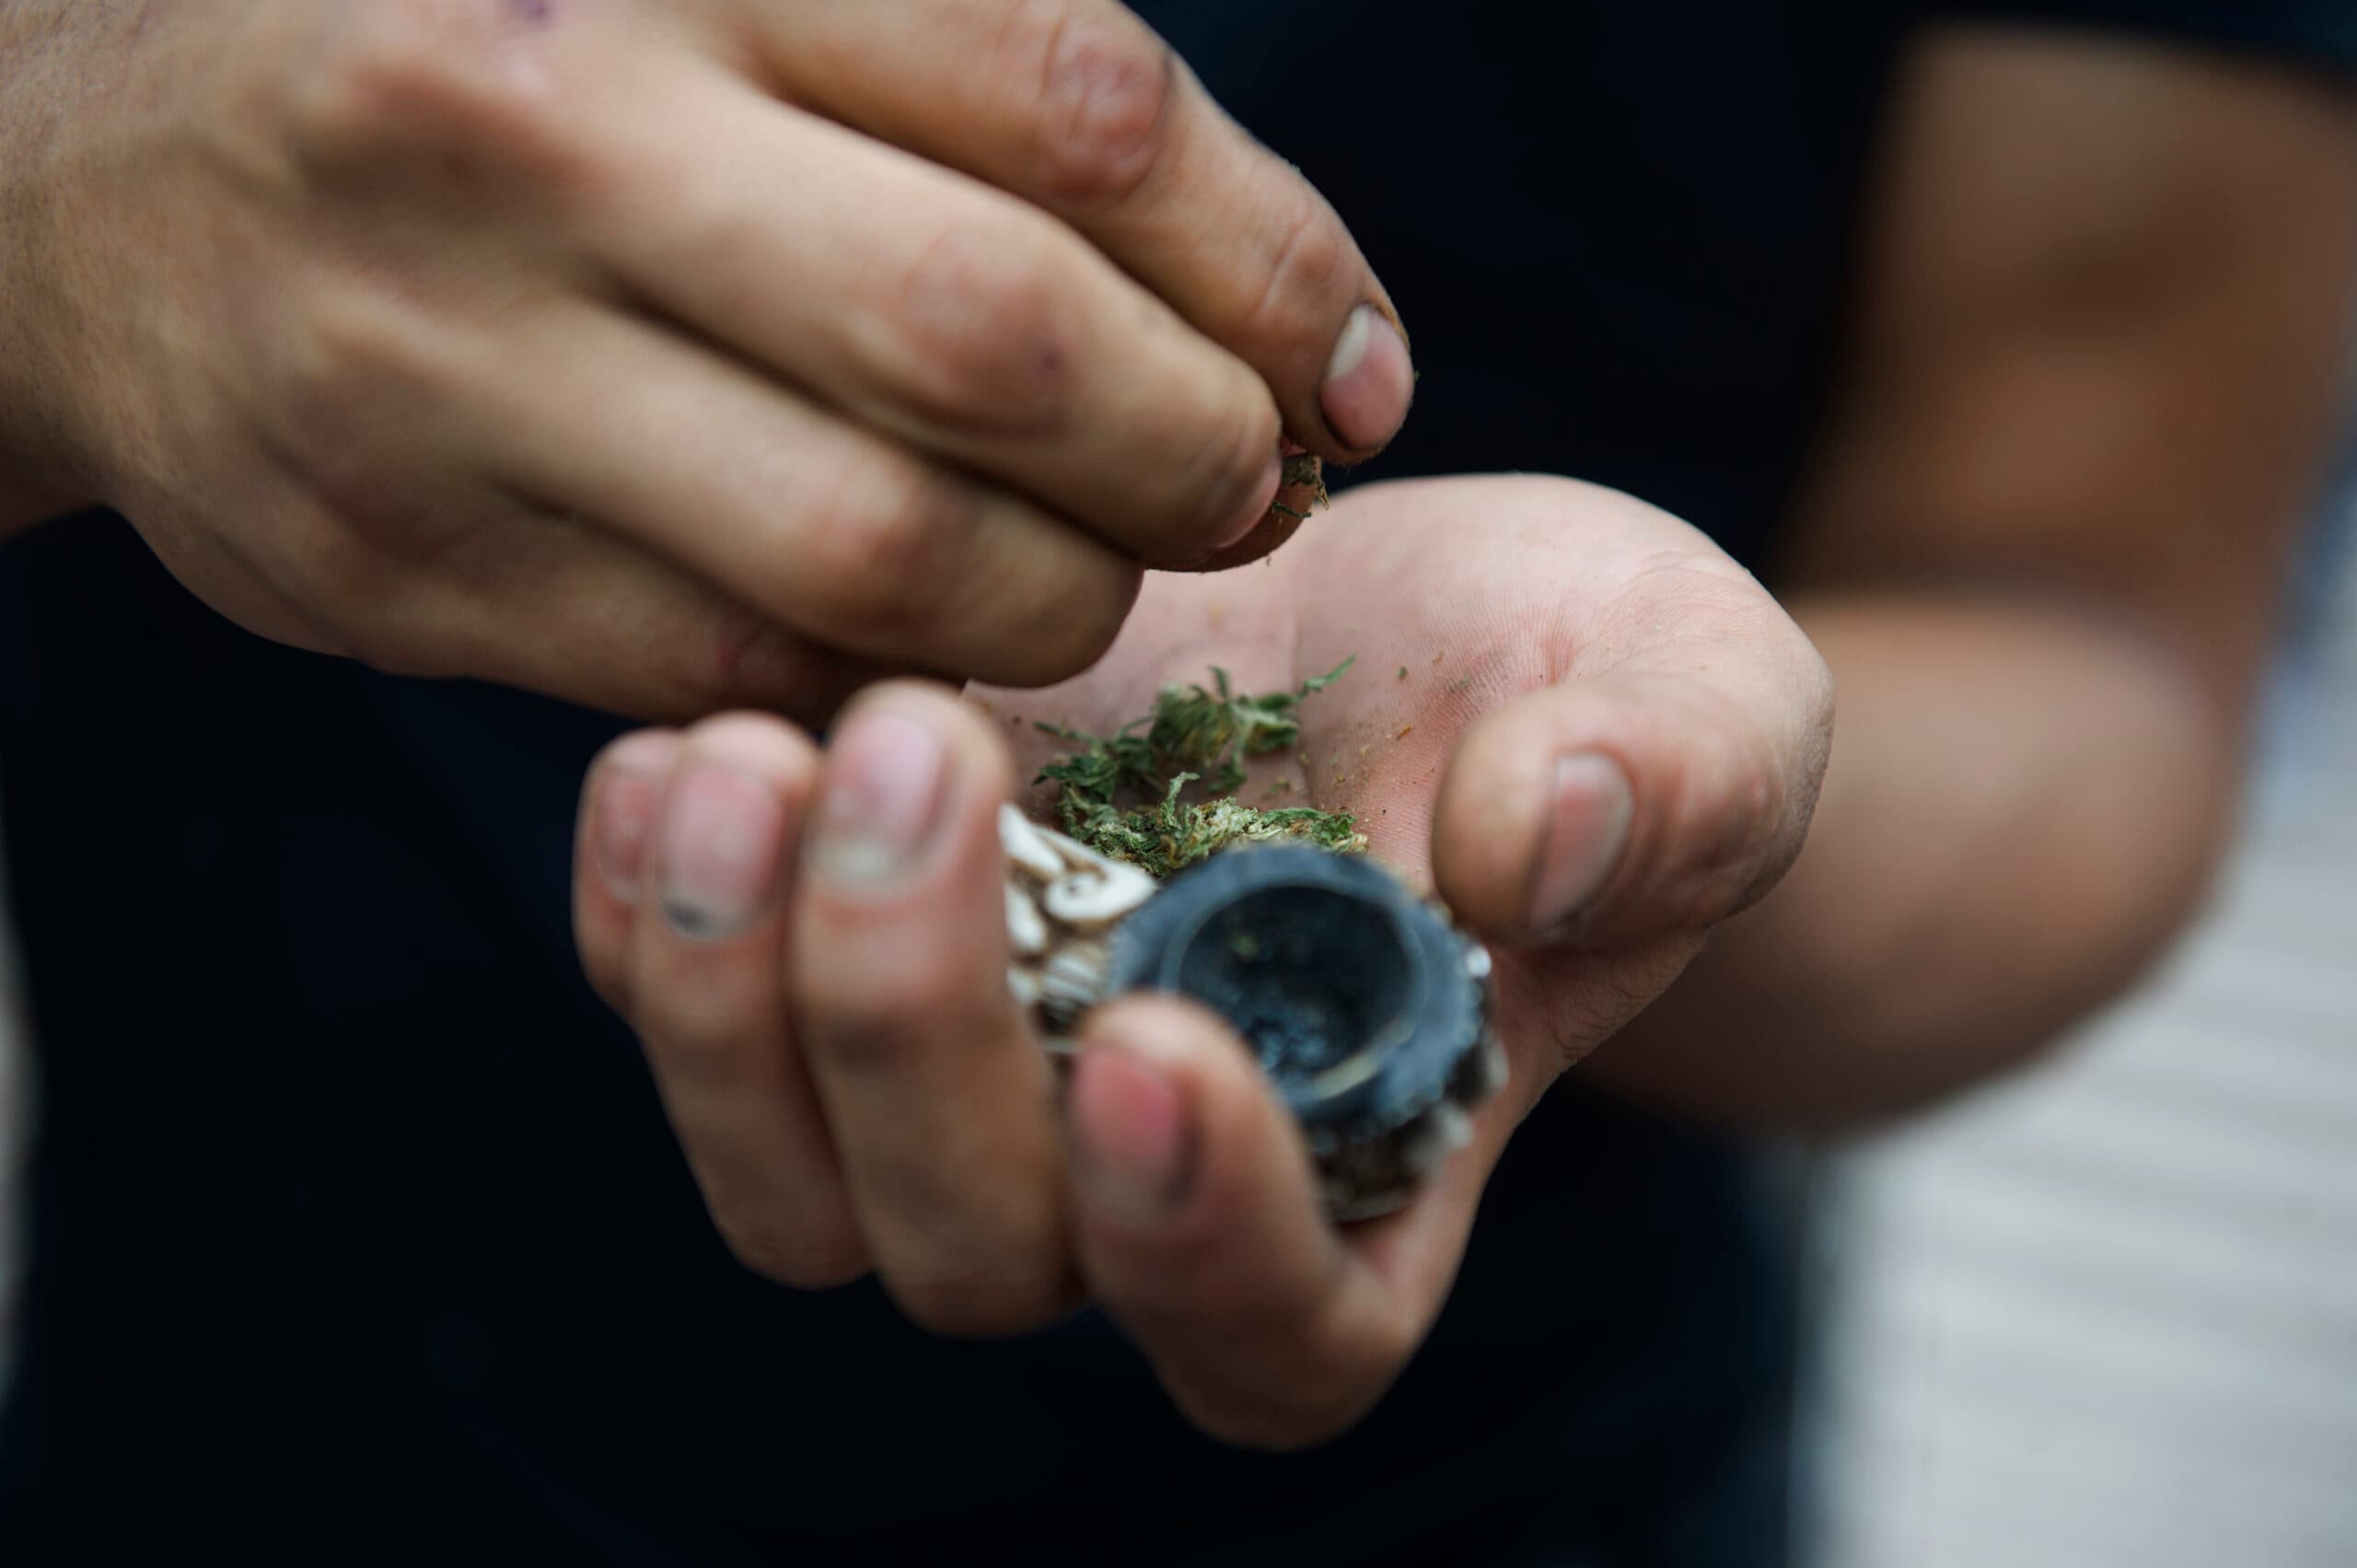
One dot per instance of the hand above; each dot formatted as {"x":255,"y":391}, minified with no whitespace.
{"x":664,"y":355}
{"x":1599,"y":735}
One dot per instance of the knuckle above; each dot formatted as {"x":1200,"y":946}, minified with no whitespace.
{"x":860,"y":1025}
{"x":1105,"y":88}
{"x":889,"y":544}
{"x":985,"y":341}
{"x":860,"y":1018}
{"x":882,"y":986}
{"x":331,"y":399}
{"x":975,"y":1299}
{"x":408,"y":73}
{"x":354,"y":95}
{"x":734,"y":657}
{"x":705,"y":1028}
{"x":822,"y":1259}
{"x":314,"y":391}
{"x":1310,"y":260}
{"x":342,"y":377}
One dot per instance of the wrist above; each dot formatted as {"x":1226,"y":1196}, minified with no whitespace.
{"x":41,"y":476}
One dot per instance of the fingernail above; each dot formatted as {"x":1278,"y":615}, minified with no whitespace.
{"x":1265,"y":492}
{"x":722,"y":832}
{"x":1369,"y":381}
{"x":1134,"y":1137}
{"x":624,"y":798}
{"x":885,"y":777}
{"x":1585,"y":830}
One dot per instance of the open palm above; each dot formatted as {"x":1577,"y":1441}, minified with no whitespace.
{"x":1571,"y":715}
{"x":1457,"y":602}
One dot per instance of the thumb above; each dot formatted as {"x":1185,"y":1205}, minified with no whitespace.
{"x":1620,"y":809}
{"x":1200,"y":1230}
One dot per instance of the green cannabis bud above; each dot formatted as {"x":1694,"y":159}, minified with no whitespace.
{"x":1125,"y":795}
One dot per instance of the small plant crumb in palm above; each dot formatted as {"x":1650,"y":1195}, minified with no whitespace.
{"x":1125,"y":795}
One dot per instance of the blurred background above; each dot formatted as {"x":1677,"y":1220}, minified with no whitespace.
{"x":2105,"y":1313}
{"x":16,"y":1118}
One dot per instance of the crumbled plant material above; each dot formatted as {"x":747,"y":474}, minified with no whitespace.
{"x":1303,"y":471}
{"x":1125,"y":795}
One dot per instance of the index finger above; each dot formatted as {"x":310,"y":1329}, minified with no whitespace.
{"x":1078,"y":108}
{"x":939,"y":1101}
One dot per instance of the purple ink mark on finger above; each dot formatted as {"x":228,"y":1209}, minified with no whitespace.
{"x":532,"y":10}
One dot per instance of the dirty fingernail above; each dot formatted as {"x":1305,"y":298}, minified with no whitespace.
{"x":1134,"y":1135}
{"x":1582,"y":837}
{"x":624,"y":795}
{"x":884,"y":784}
{"x":721,"y":834}
{"x":1369,"y":381}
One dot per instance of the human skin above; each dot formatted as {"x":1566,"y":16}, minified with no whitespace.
{"x":2096,"y":355}
{"x":661,"y":356}
{"x":1570,"y":714}
{"x":2100,"y":361}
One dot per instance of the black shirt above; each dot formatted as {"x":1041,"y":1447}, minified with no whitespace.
{"x":358,"y":1234}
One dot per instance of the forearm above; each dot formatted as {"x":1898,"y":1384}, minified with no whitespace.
{"x":2094,"y":371}
{"x":38,"y":475}
{"x":2024,"y":802}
